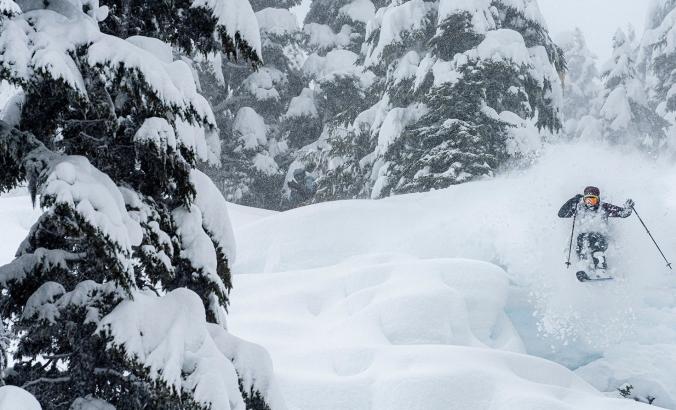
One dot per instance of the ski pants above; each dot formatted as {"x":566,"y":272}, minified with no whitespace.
{"x":592,"y":244}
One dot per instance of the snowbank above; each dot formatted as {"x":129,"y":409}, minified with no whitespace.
{"x":16,"y":398}
{"x":509,"y":221}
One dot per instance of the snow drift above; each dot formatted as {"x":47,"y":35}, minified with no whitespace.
{"x":334,"y":288}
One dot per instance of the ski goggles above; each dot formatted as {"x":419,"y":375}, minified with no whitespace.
{"x":592,"y":200}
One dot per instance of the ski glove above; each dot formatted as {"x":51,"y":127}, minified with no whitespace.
{"x":629,"y":204}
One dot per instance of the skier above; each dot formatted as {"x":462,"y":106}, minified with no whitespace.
{"x":592,"y":216}
{"x":302,"y":187}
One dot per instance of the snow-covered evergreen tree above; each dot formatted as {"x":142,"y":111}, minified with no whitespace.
{"x":459,"y":90}
{"x":582,"y":83}
{"x":108,"y":133}
{"x":625,"y":116}
{"x":658,"y":56}
{"x":195,"y":26}
{"x":250,"y":109}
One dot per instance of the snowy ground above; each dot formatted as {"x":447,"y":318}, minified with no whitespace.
{"x":432,"y":301}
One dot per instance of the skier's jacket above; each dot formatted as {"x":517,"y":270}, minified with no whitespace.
{"x":604,"y":210}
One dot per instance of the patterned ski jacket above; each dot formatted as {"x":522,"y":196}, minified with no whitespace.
{"x":593,"y":219}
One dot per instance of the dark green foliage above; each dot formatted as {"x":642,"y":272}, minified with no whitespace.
{"x":462,"y":135}
{"x":343,"y":98}
{"x":69,"y":273}
{"x":458,"y":140}
{"x":533,"y":33}
{"x":238,"y":177}
{"x":14,"y":147}
{"x":625,"y":391}
{"x":326,"y":12}
{"x":64,"y":249}
{"x":102,"y":127}
{"x":456,"y":35}
{"x":252,"y":398}
{"x":192,"y":29}
{"x":300,"y":131}
{"x":281,"y":4}
{"x":349,"y":179}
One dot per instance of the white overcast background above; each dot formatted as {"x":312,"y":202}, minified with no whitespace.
{"x":598,"y":19}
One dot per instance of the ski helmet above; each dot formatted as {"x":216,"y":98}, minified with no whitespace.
{"x":592,"y":197}
{"x":592,"y":190}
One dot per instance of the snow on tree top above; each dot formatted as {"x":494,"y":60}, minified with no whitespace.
{"x":168,"y":336}
{"x":172,"y":82}
{"x":72,"y":180}
{"x":9,"y":8}
{"x":261,"y":84}
{"x":158,"y":132}
{"x":237,"y":16}
{"x":46,"y":45}
{"x":91,"y":403}
{"x":617,"y":109}
{"x":393,"y":22}
{"x":529,"y":8}
{"x":40,"y":303}
{"x":250,"y":127}
{"x":157,"y":47}
{"x":265,"y":164}
{"x":395,"y":122}
{"x":203,"y":142}
{"x":304,"y":104}
{"x":482,"y":19}
{"x":321,"y":37}
{"x":657,"y":11}
{"x":664,"y":31}
{"x":407,"y":67}
{"x":502,"y":44}
{"x":336,"y":63}
{"x":277,"y":21}
{"x":359,"y":10}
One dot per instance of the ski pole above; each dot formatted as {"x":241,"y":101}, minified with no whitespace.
{"x":651,"y":237}
{"x":570,"y":246}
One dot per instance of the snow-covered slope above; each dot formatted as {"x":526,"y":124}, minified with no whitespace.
{"x":443,"y":300}
{"x":373,"y":303}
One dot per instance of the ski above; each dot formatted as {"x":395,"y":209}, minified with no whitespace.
{"x":583,"y":277}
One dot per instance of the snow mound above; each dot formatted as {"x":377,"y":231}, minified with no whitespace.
{"x":16,"y":398}
{"x":509,"y":221}
{"x":379,"y":332}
